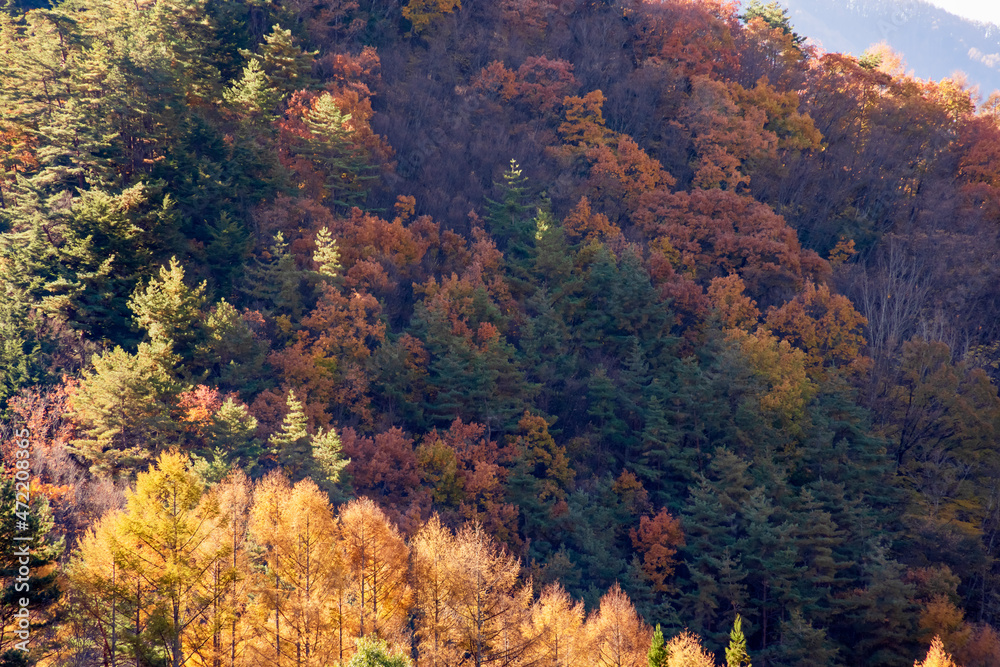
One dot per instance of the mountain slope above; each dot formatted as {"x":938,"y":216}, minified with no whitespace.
{"x":933,"y":42}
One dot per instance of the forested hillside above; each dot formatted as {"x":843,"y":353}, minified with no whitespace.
{"x":491,"y":334}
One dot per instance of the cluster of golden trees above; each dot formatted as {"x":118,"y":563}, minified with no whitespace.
{"x":269,"y":574}
{"x":266,"y":573}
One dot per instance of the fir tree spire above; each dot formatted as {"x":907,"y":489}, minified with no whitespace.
{"x":332,"y":150}
{"x":659,"y":652}
{"x":253,"y":97}
{"x":736,"y":652}
{"x":290,"y":446}
{"x":511,"y":223}
{"x":328,"y":458}
{"x":171,"y":312}
{"x":272,"y":280}
{"x":327,"y":256}
{"x":283,"y":62}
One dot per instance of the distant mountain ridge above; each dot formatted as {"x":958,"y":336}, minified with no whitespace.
{"x":933,"y":42}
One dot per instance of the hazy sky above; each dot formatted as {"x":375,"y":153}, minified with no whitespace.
{"x":979,"y":10}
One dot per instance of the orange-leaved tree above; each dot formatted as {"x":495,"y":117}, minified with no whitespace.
{"x":656,"y":541}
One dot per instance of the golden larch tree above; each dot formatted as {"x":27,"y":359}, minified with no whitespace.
{"x":432,"y":550}
{"x":936,"y":656}
{"x":685,"y":650}
{"x":556,"y":628}
{"x":485,"y":597}
{"x":620,"y":638}
{"x":377,"y":558}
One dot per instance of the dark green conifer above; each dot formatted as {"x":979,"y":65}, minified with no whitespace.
{"x":32,"y":520}
{"x":510,"y":221}
{"x":233,"y":431}
{"x":20,"y":352}
{"x":331,"y":148}
{"x":123,"y":408}
{"x":173,"y":315}
{"x":285,"y":64}
{"x":273,"y":283}
{"x":291,"y":446}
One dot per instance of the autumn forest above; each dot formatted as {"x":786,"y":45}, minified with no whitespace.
{"x":495,"y":333}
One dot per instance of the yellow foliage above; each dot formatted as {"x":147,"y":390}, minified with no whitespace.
{"x":620,"y":638}
{"x":166,"y":555}
{"x":556,"y":623}
{"x":376,"y":557}
{"x":256,"y":573}
{"x":685,"y":650}
{"x":936,"y":656}
{"x":420,"y":13}
{"x":437,"y":629}
{"x":945,"y":620}
{"x":794,"y":130}
{"x":782,"y":368}
{"x":735,"y":308}
{"x":842,"y":252}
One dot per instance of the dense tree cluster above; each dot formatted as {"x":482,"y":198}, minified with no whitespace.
{"x":268,"y":574}
{"x":494,"y":332}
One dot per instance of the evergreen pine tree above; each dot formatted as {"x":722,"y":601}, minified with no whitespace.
{"x":327,"y":256}
{"x":878,"y":621}
{"x":329,"y":462}
{"x":658,"y":448}
{"x":603,"y":410}
{"x":658,"y":651}
{"x":285,"y":64}
{"x":79,"y":264}
{"x":477,"y":380}
{"x":173,"y":315}
{"x":273,"y":283}
{"x":771,"y":560}
{"x":291,"y":446}
{"x":20,"y":352}
{"x":509,"y":217}
{"x":374,"y":652}
{"x":552,"y":263}
{"x":595,"y":536}
{"x":227,"y":251}
{"x":211,"y":468}
{"x":716,"y":576}
{"x":301,"y":455}
{"x":736,"y":652}
{"x":594,"y":305}
{"x":539,"y":482}
{"x":546,"y":358}
{"x":252,"y":97}
{"x":123,"y":408}
{"x":332,"y":150}
{"x":238,"y":357}
{"x":233,"y":431}
{"x":774,"y":15}
{"x":820,"y":543}
{"x":803,"y":644}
